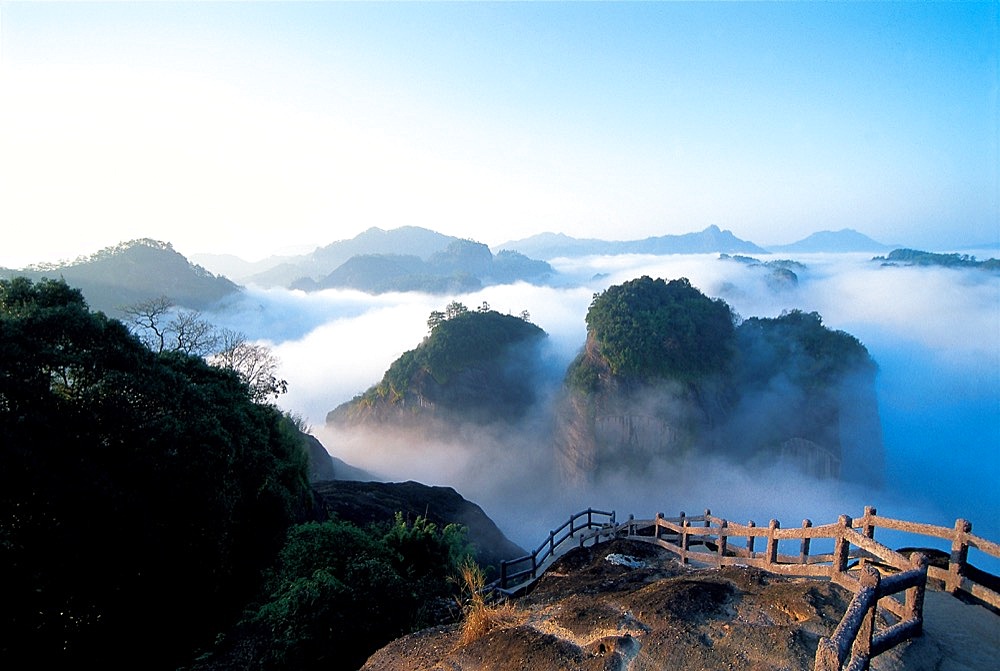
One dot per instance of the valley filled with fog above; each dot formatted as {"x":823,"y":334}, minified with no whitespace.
{"x":933,"y":332}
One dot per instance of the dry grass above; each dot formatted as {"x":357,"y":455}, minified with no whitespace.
{"x":480,"y":617}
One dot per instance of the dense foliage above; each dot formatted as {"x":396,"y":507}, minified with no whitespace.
{"x":798,"y":346}
{"x":915,"y":257}
{"x":650,"y":329}
{"x":339,"y":592}
{"x":458,"y":340}
{"x":141,"y":494}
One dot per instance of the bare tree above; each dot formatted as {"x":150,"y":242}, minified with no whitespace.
{"x":149,"y":321}
{"x":194,"y":335}
{"x":256,"y":365}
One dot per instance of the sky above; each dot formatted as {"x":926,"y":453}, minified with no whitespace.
{"x":264,"y":128}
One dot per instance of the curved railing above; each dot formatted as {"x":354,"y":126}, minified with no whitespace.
{"x":878,"y":576}
{"x":520,"y":571}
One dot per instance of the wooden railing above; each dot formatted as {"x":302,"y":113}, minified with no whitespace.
{"x":516,"y":572}
{"x":879,"y":577}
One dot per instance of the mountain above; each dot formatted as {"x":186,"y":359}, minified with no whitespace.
{"x":666,"y":375}
{"x":364,"y":503}
{"x":844,"y":240}
{"x":474,"y":367}
{"x":712,"y":239}
{"x":915,"y":257}
{"x":135,"y":271}
{"x":236,"y":268}
{"x":463,"y":266}
{"x":409,"y":240}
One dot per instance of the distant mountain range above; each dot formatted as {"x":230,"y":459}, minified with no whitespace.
{"x":712,"y":239}
{"x":408,"y":258}
{"x":844,"y":240}
{"x":135,"y":271}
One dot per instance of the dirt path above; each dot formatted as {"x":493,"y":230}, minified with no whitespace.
{"x":957,"y":637}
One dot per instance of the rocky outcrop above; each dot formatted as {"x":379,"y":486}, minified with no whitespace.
{"x":629,"y":605}
{"x":364,"y":503}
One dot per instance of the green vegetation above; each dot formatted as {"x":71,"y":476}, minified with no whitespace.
{"x":141,"y":494}
{"x":338,"y":593}
{"x":648,"y":329}
{"x":150,"y":501}
{"x":459,"y":339}
{"x":915,"y":257}
{"x":798,"y":345}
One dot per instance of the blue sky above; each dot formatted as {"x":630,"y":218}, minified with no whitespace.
{"x":256,"y":128}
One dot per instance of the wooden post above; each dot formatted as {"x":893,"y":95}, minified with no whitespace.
{"x":959,"y":555}
{"x":656,"y":526}
{"x":685,"y":525}
{"x":868,"y":522}
{"x":750,"y":540}
{"x":772,"y":543}
{"x":804,"y":546}
{"x":915,"y":595}
{"x":571,"y":529}
{"x":841,"y":548}
{"x":870,"y":579}
{"x":534,"y":566}
{"x":590,"y":517}
{"x":723,"y":539}
{"x":827,"y":658}
{"x":503,"y":574}
{"x":552,"y":543}
{"x":707,"y":514}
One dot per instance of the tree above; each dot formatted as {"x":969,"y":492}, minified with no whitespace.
{"x":163,"y":327}
{"x":255,"y":364}
{"x":131,"y":482}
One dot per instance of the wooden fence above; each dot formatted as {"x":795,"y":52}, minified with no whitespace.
{"x":879,"y":577}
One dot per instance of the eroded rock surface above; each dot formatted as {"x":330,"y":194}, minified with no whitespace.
{"x":644,"y":612}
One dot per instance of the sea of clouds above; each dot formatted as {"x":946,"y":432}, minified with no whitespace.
{"x":934,"y":333}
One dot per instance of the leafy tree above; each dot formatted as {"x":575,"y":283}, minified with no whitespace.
{"x":338,"y":592}
{"x":134,"y":487}
{"x":650,"y":329}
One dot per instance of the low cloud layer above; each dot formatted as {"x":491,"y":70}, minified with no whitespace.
{"x":934,"y":333}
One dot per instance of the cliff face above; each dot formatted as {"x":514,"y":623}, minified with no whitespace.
{"x":783,"y":391}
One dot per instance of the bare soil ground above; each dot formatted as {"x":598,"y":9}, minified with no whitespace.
{"x":588,"y":614}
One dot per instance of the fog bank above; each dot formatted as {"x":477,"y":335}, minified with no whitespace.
{"x":934,"y":333}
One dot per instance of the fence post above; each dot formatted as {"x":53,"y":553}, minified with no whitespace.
{"x":804,"y":546}
{"x":552,"y":543}
{"x":590,"y":517}
{"x":685,"y":525}
{"x":656,"y":526}
{"x":915,"y":595}
{"x":750,"y":540}
{"x":959,"y":555}
{"x":870,"y":579}
{"x":841,"y":548}
{"x":534,"y":566}
{"x":827,"y":658}
{"x":708,"y":513}
{"x":723,"y":539}
{"x":868,"y":522}
{"x":772,"y":542}
{"x":503,"y":574}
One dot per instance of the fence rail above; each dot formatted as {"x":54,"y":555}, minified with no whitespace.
{"x":878,"y":576}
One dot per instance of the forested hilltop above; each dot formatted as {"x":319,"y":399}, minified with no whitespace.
{"x":668,"y":373}
{"x":474,"y":366}
{"x":134,"y":271}
{"x":155,"y":512}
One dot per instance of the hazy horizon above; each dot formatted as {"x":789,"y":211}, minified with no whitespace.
{"x":250,"y":128}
